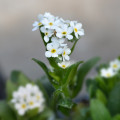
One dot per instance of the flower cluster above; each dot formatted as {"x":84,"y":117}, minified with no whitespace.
{"x":28,"y":98}
{"x":114,"y":67}
{"x":56,"y":32}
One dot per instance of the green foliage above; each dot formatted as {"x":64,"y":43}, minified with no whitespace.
{"x":107,"y":91}
{"x":117,"y":117}
{"x":46,"y":84}
{"x":69,"y":76}
{"x":17,"y":79}
{"x":66,"y":103}
{"x":101,"y":96}
{"x":5,"y":112}
{"x":81,"y":112}
{"x":44,"y":67}
{"x":82,"y":72}
{"x":114,"y":100}
{"x":47,"y":114}
{"x":99,"y":111}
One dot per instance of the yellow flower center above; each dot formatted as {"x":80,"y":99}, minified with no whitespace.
{"x":64,"y":53}
{"x":50,"y":23}
{"x":108,"y":74}
{"x":46,"y":33}
{"x":64,"y":33}
{"x":75,"y":29}
{"x":115,"y":66}
{"x":23,"y":106}
{"x":31,"y":103}
{"x":39,"y":24}
{"x":64,"y":66}
{"x":38,"y":97}
{"x":53,"y":50}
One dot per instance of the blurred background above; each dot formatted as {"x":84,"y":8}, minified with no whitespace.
{"x":18,"y":44}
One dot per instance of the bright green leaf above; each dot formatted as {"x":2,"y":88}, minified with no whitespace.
{"x":99,"y":111}
{"x":114,"y":100}
{"x":5,"y":112}
{"x":82,"y":72}
{"x":101,"y":96}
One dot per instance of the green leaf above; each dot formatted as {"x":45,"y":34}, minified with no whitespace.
{"x":5,"y":112}
{"x":101,"y":83}
{"x":66,"y":103}
{"x":43,"y":66}
{"x":82,"y":72}
{"x":19,"y":78}
{"x":47,"y":114}
{"x":54,"y":76}
{"x":99,"y":111}
{"x":101,"y":96}
{"x":91,"y":87}
{"x":47,"y":85}
{"x":114,"y":100}
{"x":53,"y":62}
{"x":32,"y":112}
{"x":117,"y":117}
{"x":69,"y":76}
{"x":71,"y":72}
{"x":10,"y":88}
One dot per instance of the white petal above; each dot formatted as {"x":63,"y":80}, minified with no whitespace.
{"x":81,"y":33}
{"x":68,"y":51}
{"x":72,"y":23}
{"x":54,"y":55}
{"x":17,"y":106}
{"x":70,"y":29}
{"x":46,"y":38}
{"x":35,"y":23}
{"x":76,"y":35}
{"x":35,"y":28}
{"x":49,"y":46}
{"x":43,"y":29}
{"x":79,"y":25}
{"x":62,"y":40}
{"x":60,"y":51}
{"x":59,"y":35}
{"x":21,"y":112}
{"x":48,"y":54}
{"x":45,"y":21}
{"x":69,"y":37}
{"x":56,"y":45}
{"x":54,"y":39}
{"x":67,"y":57}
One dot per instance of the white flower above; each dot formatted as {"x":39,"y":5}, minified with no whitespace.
{"x":107,"y":73}
{"x":28,"y":98}
{"x":65,"y":31}
{"x":47,"y":32}
{"x":36,"y":25}
{"x":115,"y":65}
{"x":65,"y":54}
{"x":50,"y":23}
{"x":77,"y":28}
{"x":53,"y":50}
{"x":48,"y":15}
{"x":21,"y":107}
{"x":64,"y":64}
{"x":59,"y":40}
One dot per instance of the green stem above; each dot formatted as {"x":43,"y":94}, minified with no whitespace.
{"x":55,"y":98}
{"x":73,"y":47}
